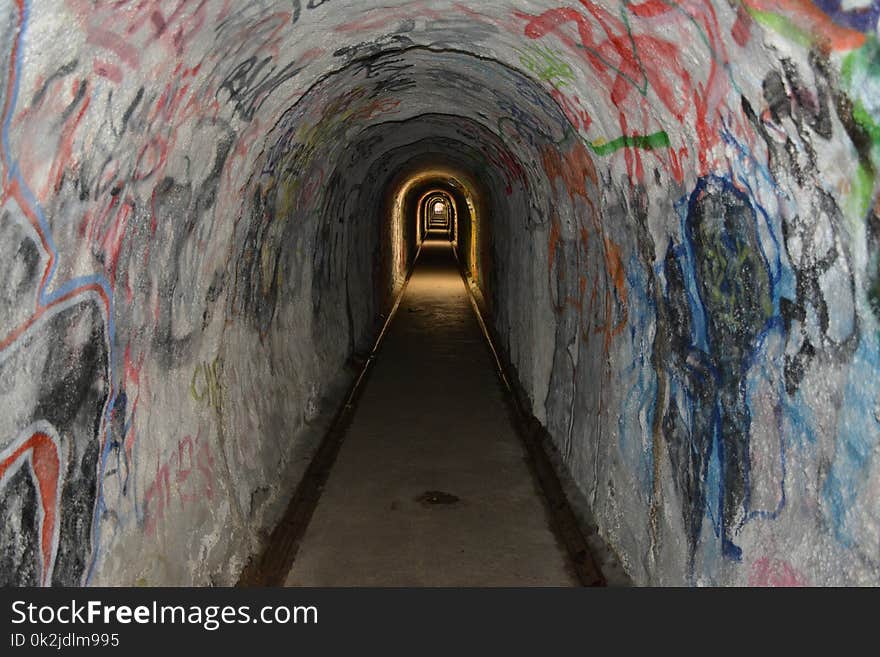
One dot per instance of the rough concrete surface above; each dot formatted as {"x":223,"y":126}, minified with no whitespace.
{"x":669,"y":206}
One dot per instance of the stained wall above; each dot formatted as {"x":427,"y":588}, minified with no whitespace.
{"x":675,"y":228}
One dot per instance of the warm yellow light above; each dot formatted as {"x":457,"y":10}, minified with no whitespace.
{"x":447,"y":175}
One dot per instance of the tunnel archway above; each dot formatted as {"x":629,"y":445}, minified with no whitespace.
{"x":669,"y":209}
{"x":444,"y":204}
{"x":436,"y":212}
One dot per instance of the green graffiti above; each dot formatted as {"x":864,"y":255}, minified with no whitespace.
{"x":657,"y":139}
{"x":547,"y":65}
{"x":863,"y":190}
{"x":860,"y":74}
{"x":782,"y":26}
{"x":863,"y":118}
{"x":860,"y":71}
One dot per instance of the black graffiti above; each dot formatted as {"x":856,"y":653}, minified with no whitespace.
{"x":681,"y":370}
{"x":735,"y":290}
{"x":812,"y":256}
{"x":689,"y":444}
{"x":874,"y":260}
{"x":68,"y":357}
{"x":252,"y":81}
{"x":390,"y":74}
{"x":172,"y":201}
{"x":109,"y":164}
{"x":62,"y":72}
{"x":706,"y":384}
{"x":19,"y":549}
{"x":296,"y":7}
{"x":789,"y":98}
{"x":329,"y":263}
{"x":810,"y":264}
{"x":260,"y":265}
{"x":18,"y":269}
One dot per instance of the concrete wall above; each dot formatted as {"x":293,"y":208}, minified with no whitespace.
{"x":677,"y":235}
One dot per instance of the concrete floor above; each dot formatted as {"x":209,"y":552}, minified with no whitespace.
{"x":430,"y":487}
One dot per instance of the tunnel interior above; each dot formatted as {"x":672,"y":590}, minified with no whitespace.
{"x":667,"y":211}
{"x":436,"y":212}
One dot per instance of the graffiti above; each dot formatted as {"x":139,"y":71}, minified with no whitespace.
{"x":62,"y":336}
{"x":574,"y":110}
{"x":690,"y":383}
{"x":816,"y":306}
{"x":248,"y":29}
{"x":861,"y":75}
{"x":617,"y":54}
{"x":775,"y":573}
{"x":184,"y":478}
{"x":297,"y":7}
{"x":631,"y":64}
{"x":819,"y":321}
{"x":206,"y":385}
{"x":873,"y":235}
{"x":181,"y":314}
{"x":172,"y":26}
{"x":586,"y":282}
{"x":250,"y":83}
{"x":389,"y":74}
{"x":548,"y":66}
{"x":258,"y":270}
{"x":720,"y":301}
{"x":788,"y":98}
{"x":809,"y":23}
{"x":735,"y":290}
{"x":860,"y":115}
{"x":606,"y":307}
{"x":70,"y":405}
{"x":647,"y":142}
{"x":42,"y":454}
{"x":329,"y":259}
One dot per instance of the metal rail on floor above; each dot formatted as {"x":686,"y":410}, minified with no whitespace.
{"x":272,"y":565}
{"x":533,"y":435}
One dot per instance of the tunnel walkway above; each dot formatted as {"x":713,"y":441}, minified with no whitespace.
{"x":431,"y":486}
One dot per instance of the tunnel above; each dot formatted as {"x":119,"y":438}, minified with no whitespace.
{"x":663,"y":212}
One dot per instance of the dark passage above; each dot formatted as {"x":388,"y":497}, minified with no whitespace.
{"x":431,"y":486}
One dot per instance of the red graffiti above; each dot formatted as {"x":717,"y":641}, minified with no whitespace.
{"x":574,"y":110}
{"x":107,"y":70}
{"x":776,"y":573}
{"x":126,"y":34}
{"x":741,"y":30}
{"x":185,"y":477}
{"x":132,"y":379}
{"x":624,"y":62}
{"x":631,"y":65}
{"x":42,"y":453}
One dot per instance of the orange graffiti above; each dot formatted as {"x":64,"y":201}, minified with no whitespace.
{"x":807,"y":17}
{"x":574,"y":168}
